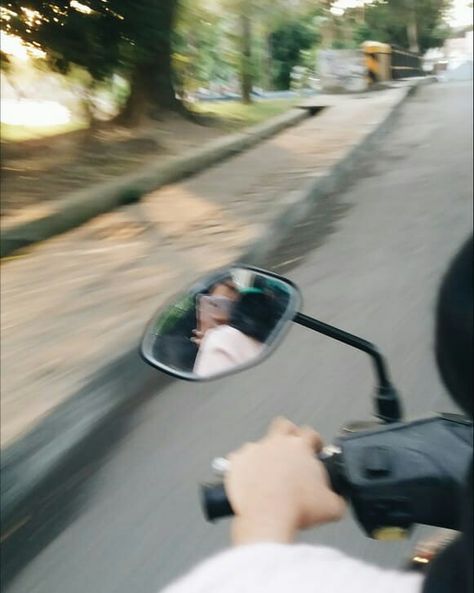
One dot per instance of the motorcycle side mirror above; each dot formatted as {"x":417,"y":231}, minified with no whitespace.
{"x":226,"y":322}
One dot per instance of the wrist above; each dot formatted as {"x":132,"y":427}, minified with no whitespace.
{"x":246,"y":531}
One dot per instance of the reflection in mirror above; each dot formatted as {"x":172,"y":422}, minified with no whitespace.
{"x":224,"y":323}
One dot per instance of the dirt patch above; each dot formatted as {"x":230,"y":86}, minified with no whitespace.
{"x":58,"y":167}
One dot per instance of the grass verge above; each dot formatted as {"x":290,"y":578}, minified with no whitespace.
{"x":234,"y":115}
{"x":12,"y":133}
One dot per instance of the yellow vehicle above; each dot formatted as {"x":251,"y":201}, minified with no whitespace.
{"x":378,"y":60}
{"x":387,"y":62}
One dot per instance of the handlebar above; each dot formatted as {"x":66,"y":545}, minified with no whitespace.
{"x":394,"y":476}
{"x":214,"y":501}
{"x":216,"y":505}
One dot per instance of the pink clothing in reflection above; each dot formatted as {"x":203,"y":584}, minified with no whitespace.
{"x":223,"y":348}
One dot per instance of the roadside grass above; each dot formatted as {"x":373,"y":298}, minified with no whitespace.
{"x":229,"y":115}
{"x":14,"y":133}
{"x":234,"y":115}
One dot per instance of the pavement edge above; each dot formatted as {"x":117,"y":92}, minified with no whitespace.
{"x":83,"y":205}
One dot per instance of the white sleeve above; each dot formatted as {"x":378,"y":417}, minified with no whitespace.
{"x":212,"y":357}
{"x":280,"y":568}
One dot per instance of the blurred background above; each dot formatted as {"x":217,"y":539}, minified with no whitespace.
{"x":102,"y":77}
{"x":67,"y":65}
{"x":107,"y":108}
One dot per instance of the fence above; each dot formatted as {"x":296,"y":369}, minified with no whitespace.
{"x":342,"y":70}
{"x":405,"y":64}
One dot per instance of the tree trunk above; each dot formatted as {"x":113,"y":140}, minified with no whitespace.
{"x":327,"y":33}
{"x":268,"y":63}
{"x":412,"y":30}
{"x":140,"y":104}
{"x":246,"y":60}
{"x":152,"y":90}
{"x":86,"y":104}
{"x":347,"y":31}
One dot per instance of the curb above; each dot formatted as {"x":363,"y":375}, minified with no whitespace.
{"x":82,"y":205}
{"x":31,"y":463}
{"x":302,"y":200}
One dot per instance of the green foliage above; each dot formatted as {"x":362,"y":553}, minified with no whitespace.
{"x":434,"y":37}
{"x":68,"y":36}
{"x":382,"y":23}
{"x":168,"y":320}
{"x":201,"y":53}
{"x":286,"y":44}
{"x":13,"y":133}
{"x":102,"y":37}
{"x":387,"y":22}
{"x":156,"y":43}
{"x":343,"y":44}
{"x":234,"y":115}
{"x":364,"y":33}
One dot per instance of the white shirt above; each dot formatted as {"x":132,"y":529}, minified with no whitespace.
{"x":223,"y":348}
{"x":292,"y":568}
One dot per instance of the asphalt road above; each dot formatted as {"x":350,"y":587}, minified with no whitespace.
{"x":367,"y":260}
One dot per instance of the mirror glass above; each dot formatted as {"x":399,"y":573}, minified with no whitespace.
{"x":226,"y":322}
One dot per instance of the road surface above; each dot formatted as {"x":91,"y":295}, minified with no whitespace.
{"x":367,"y":260}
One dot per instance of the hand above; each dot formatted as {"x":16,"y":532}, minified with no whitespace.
{"x":277,"y":486}
{"x":197,"y":337}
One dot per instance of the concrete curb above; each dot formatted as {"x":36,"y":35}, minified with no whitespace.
{"x":82,"y":205}
{"x":29,"y":463}
{"x":302,"y":200}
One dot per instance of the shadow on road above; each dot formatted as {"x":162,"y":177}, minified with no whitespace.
{"x":63,"y":497}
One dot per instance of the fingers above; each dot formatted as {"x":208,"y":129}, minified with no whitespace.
{"x":283,"y":426}
{"x":197,"y":337}
{"x":311,"y":438}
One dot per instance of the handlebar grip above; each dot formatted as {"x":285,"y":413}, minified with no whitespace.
{"x":333,"y":465}
{"x":216,"y":505}
{"x":214,"y":501}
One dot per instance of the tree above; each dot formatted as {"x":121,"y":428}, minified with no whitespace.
{"x":246,"y":63}
{"x":287,"y":42}
{"x":273,"y":16}
{"x":243,"y":14}
{"x":410,"y":24}
{"x":104,"y":37}
{"x":254,"y":21}
{"x":148,"y":55}
{"x":202,"y":53}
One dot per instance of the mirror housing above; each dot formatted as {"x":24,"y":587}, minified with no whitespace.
{"x":225,"y":322}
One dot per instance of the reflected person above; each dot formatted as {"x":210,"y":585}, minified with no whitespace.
{"x":178,"y":346}
{"x":242,"y":339}
{"x":213,"y":308}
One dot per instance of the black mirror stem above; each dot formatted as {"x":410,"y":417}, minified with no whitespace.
{"x":387,"y":402}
